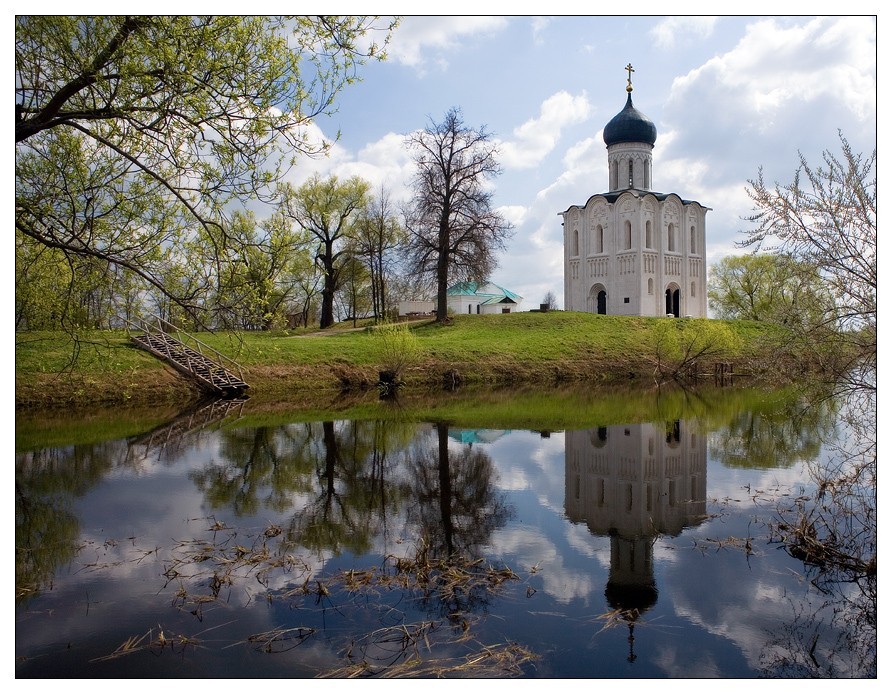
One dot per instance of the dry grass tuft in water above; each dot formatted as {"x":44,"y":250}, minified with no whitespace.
{"x":203,"y":571}
{"x":150,"y":642}
{"x":498,"y":660}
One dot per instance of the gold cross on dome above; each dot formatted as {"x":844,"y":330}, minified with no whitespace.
{"x":630,"y":70}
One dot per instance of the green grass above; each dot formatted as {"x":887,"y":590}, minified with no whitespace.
{"x":520,"y":347}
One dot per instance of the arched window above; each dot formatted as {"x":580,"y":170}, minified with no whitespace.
{"x":614,"y":175}
{"x":693,"y":289}
{"x":628,"y":235}
{"x":647,"y":175}
{"x":574,"y":250}
{"x":630,"y":174}
{"x":693,"y":239}
{"x":650,"y":285}
{"x":599,"y":239}
{"x":648,"y":235}
{"x":671,"y":244}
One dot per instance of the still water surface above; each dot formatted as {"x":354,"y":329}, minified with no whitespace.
{"x":213,"y":546}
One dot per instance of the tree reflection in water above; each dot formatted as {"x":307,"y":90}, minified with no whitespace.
{"x":834,"y":533}
{"x":46,"y":529}
{"x":416,"y":514}
{"x":454,"y":507}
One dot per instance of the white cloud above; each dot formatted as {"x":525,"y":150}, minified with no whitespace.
{"x":586,"y":155}
{"x":385,"y":161}
{"x":785,"y":88}
{"x":776,"y":69}
{"x":537,"y":137}
{"x":539,"y":24}
{"x":531,"y":548}
{"x":515,"y":214}
{"x":420,"y":40}
{"x":682,"y":30}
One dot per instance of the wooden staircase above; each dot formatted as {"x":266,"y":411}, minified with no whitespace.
{"x":213,"y":371}
{"x":168,"y":440}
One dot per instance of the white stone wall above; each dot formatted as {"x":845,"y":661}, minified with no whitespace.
{"x":606,"y":246}
{"x":462,"y":304}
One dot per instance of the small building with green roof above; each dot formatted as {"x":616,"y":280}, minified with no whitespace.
{"x":469,"y":297}
{"x":482,"y":298}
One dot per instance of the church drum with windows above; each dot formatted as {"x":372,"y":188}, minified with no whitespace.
{"x":631,"y":251}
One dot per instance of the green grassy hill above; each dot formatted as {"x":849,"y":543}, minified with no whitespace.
{"x":102,"y":366}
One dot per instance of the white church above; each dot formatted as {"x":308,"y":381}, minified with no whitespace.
{"x":631,"y":251}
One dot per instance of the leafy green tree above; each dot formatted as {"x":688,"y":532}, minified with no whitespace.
{"x":53,"y":290}
{"x":769,"y":287}
{"x":356,"y":287}
{"x":187,"y":272}
{"x":305,"y":307}
{"x":44,"y":281}
{"x":453,"y":232}
{"x":260,"y":279}
{"x":328,"y":209}
{"x":134,"y":133}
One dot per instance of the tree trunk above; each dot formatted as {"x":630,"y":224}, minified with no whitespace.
{"x":445,"y":485}
{"x":443,"y":271}
{"x":327,"y":319}
{"x":328,"y":288}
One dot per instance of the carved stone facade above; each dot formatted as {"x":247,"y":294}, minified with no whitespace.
{"x":632,"y":251}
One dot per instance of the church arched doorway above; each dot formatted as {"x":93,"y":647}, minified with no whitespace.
{"x":597,"y":300}
{"x":672,"y":300}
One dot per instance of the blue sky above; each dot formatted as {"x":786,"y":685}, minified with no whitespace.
{"x":727,"y":94}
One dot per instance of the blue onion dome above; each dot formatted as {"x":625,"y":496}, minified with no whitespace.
{"x":630,"y":125}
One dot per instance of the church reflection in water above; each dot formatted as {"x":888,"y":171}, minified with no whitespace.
{"x":633,"y":483}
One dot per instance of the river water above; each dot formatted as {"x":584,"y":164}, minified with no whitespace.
{"x":231,"y":543}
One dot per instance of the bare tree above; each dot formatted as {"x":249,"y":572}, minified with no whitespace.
{"x":453,"y":231}
{"x":827,"y":218}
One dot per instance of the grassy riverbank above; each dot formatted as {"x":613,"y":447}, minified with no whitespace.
{"x":54,"y":369}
